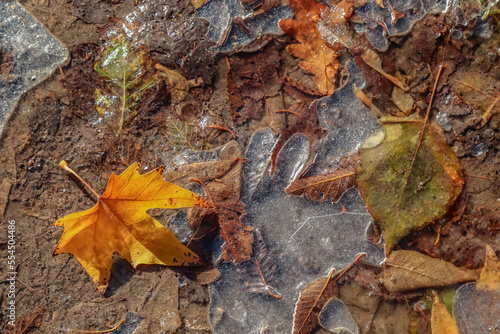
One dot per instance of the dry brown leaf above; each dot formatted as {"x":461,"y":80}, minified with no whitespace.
{"x":321,"y":57}
{"x":238,"y":237}
{"x":25,"y":324}
{"x":409,"y":270}
{"x":403,"y":100}
{"x":489,"y":279}
{"x":311,"y":301}
{"x":441,"y":320}
{"x":372,"y":59}
{"x":322,"y":187}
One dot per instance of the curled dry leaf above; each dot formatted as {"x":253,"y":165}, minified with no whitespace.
{"x":372,"y":59}
{"x":119,"y":223}
{"x":321,"y":57}
{"x":322,"y":187}
{"x":409,"y":270}
{"x":489,"y":280}
{"x":308,"y":124}
{"x":441,"y":320}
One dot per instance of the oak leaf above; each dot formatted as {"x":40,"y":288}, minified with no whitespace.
{"x":321,"y":57}
{"x":409,"y":270}
{"x":442,"y":321}
{"x":119,"y":223}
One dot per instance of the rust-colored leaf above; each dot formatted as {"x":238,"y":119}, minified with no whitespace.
{"x":322,"y":187}
{"x":237,"y":236}
{"x":265,"y":265}
{"x":307,"y":124}
{"x":320,"y":57}
{"x":311,"y":301}
{"x":26,"y":324}
{"x":119,"y":223}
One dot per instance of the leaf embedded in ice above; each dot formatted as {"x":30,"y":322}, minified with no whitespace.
{"x":409,"y":270}
{"x":308,"y":124}
{"x":265,"y":267}
{"x":311,"y":301}
{"x":320,"y":57}
{"x":237,"y":236}
{"x":125,"y":67}
{"x":407,"y":185}
{"x":323,"y":187}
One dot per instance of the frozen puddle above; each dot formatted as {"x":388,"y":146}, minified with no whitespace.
{"x":305,"y":239}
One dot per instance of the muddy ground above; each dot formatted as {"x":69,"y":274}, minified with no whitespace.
{"x":57,"y":121}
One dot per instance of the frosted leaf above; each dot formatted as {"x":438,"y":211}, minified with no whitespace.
{"x":309,"y":237}
{"x":336,"y":318}
{"x":476,"y":311}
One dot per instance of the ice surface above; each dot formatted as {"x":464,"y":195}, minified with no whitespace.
{"x":34,"y":52}
{"x":476,"y":311}
{"x":309,"y":238}
{"x":412,"y":10}
{"x":336,"y":318}
{"x":229,"y":37}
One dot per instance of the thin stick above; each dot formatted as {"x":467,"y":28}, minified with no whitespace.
{"x":317,"y":299}
{"x":93,"y":332}
{"x":64,"y":165}
{"x":423,"y":314}
{"x":289,"y":111}
{"x":426,"y":120}
{"x":350,"y":266}
{"x":114,"y":149}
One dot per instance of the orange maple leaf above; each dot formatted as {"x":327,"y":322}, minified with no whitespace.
{"x":321,"y":57}
{"x":119,"y":223}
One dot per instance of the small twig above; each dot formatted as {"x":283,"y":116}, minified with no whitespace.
{"x":289,"y":111}
{"x":64,"y":165}
{"x":114,"y":149}
{"x":91,"y":332}
{"x":350,"y":266}
{"x":423,"y":314}
{"x":426,"y":120}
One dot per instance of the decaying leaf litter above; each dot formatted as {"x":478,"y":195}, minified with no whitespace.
{"x":196,"y":95}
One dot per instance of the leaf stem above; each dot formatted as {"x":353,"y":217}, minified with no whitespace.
{"x":64,"y":165}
